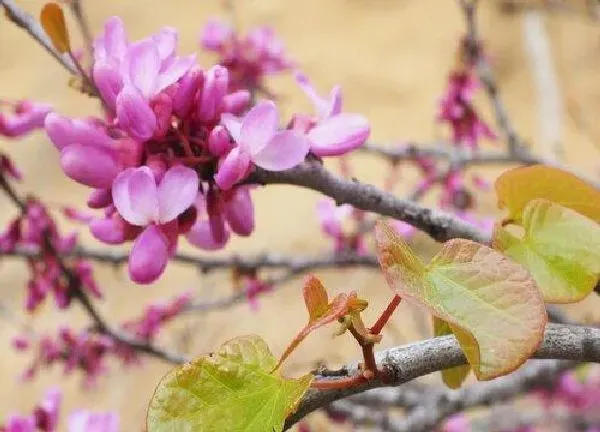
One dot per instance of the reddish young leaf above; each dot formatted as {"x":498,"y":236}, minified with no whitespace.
{"x":315,"y":298}
{"x":320,"y":312}
{"x":53,"y":21}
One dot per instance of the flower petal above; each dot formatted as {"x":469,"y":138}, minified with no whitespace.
{"x":233,"y":125}
{"x":232,"y":169}
{"x":201,"y":236}
{"x":339,"y":134}
{"x":135,"y":196}
{"x":239,"y":211}
{"x":135,"y":115}
{"x":113,"y":43}
{"x":110,"y":231}
{"x":166,"y":42}
{"x":91,"y":166}
{"x":174,"y":70}
{"x":285,"y":150}
{"x":177,"y":191}
{"x":63,"y":131}
{"x":108,"y":81}
{"x":141,"y":67}
{"x":149,"y":255}
{"x":259,"y":126}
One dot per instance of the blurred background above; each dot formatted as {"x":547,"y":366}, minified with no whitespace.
{"x":392,"y":59}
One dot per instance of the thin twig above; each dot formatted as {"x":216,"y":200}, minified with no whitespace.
{"x":35,"y":30}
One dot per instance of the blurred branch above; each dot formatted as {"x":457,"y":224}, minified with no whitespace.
{"x":77,"y":293}
{"x":405,"y":363}
{"x":435,"y":404}
{"x":80,"y":16}
{"x":35,"y":30}
{"x":486,"y":76}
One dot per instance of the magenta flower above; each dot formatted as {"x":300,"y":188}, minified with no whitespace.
{"x":25,"y":118}
{"x":86,"y":421}
{"x":232,"y":210}
{"x":334,"y":133}
{"x":457,"y":110}
{"x":130,"y":76}
{"x":88,"y":154}
{"x":259,"y":141}
{"x":17,"y":423}
{"x":248,"y":59}
{"x":335,"y":223}
{"x":142,"y":203}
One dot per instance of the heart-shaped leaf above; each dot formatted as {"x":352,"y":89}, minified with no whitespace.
{"x":516,"y":187}
{"x":455,"y":376}
{"x":560,"y":247}
{"x":232,"y":390}
{"x":53,"y":22}
{"x":492,"y":302}
{"x":321,"y":312}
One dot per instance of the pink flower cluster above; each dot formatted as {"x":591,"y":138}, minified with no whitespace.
{"x":156,"y":315}
{"x":25,"y":116}
{"x":88,"y":351}
{"x":457,"y":110}
{"x":35,"y":231}
{"x":576,"y":391}
{"x":45,"y":418}
{"x":175,"y":149}
{"x":248,"y":58}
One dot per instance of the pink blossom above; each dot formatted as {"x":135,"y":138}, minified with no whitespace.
{"x":457,"y":110}
{"x":26,"y":117}
{"x":156,"y":315}
{"x":259,"y":142}
{"x":248,"y":59}
{"x":141,"y":202}
{"x":254,"y":288}
{"x":86,"y":421}
{"x":333,"y":133}
{"x":129,"y":75}
{"x":219,"y":214}
{"x":88,"y":154}
{"x":333,"y":220}
{"x":457,"y":423}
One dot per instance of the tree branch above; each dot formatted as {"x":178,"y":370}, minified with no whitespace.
{"x":405,"y":363}
{"x":440,"y":225}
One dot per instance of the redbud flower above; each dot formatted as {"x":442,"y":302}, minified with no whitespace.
{"x":145,"y":68}
{"x":333,"y":218}
{"x":26,"y":117}
{"x":259,"y":141}
{"x":457,"y":110}
{"x":248,"y":59}
{"x":141,"y":202}
{"x":88,"y":154}
{"x":230,"y":210}
{"x":334,"y":133}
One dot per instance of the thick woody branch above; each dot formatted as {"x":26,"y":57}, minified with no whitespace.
{"x":405,"y":363}
{"x":440,"y":225}
{"x":35,"y":30}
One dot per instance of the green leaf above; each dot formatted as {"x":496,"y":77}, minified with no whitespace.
{"x":492,"y":303}
{"x":452,"y":377}
{"x":231,"y":390}
{"x":321,"y":312}
{"x":560,"y":247}
{"x":516,"y":187}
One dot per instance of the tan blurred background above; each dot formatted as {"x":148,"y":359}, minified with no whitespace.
{"x":391,"y":58}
